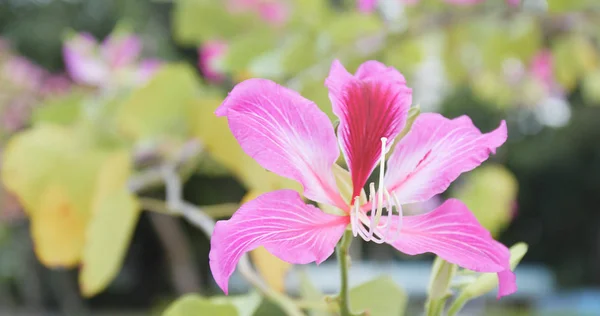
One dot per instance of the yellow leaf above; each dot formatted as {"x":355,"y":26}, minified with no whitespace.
{"x":219,"y":142}
{"x":58,"y":229}
{"x":108,"y":237}
{"x":115,"y":214}
{"x":29,"y":162}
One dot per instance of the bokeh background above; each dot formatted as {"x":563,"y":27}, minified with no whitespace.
{"x":67,"y":121}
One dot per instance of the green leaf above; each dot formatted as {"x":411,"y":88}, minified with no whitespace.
{"x":312,"y":14}
{"x":560,"y":6}
{"x":159,"y":108}
{"x":195,"y":21}
{"x":379,"y":297}
{"x":246,"y":305}
{"x":439,"y":284}
{"x":348,"y":27}
{"x":299,"y":52}
{"x":115,"y":215}
{"x":245,"y":48}
{"x":62,"y":110}
{"x":591,"y":88}
{"x":309,"y":292}
{"x":196,"y":305}
{"x":490,"y":193}
{"x":404,"y":55}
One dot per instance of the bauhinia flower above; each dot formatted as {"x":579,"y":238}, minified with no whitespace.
{"x":289,"y":135}
{"x":114,"y":62}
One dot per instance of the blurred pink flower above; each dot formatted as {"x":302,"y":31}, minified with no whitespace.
{"x":541,"y":69}
{"x":114,"y":62}
{"x":55,"y":85}
{"x":290,"y":136}
{"x":22,"y":73}
{"x":274,"y":12}
{"x":208,"y":54}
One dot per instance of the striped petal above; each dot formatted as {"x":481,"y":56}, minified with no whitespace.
{"x":372,"y":104}
{"x":435,"y":152}
{"x":286,"y":134}
{"x":453,"y":233}
{"x":281,"y":222}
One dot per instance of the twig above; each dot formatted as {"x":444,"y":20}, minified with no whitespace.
{"x":205,"y":223}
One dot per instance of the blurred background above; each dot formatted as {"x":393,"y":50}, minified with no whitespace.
{"x":97,"y":96}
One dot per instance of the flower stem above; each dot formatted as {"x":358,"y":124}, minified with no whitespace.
{"x":343,"y":255}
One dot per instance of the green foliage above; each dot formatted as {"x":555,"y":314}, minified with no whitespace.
{"x":196,"y":305}
{"x":159,"y":108}
{"x":379,"y":297}
{"x":63,"y":110}
{"x":490,"y":192}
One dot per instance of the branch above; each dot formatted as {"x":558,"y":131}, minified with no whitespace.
{"x":175,"y":205}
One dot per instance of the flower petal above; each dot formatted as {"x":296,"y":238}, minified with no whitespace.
{"x":286,"y":134}
{"x":83,"y":62}
{"x":452,"y":232}
{"x":371,"y":105}
{"x":281,"y":222}
{"x":373,"y":69}
{"x":435,"y":152}
{"x":121,"y":50}
{"x":366,"y":6}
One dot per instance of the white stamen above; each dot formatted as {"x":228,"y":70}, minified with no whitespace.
{"x":371,"y":228}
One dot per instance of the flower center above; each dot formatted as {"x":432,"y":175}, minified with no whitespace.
{"x":373,"y":225}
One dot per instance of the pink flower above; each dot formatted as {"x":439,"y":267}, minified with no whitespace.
{"x":208,"y":54}
{"x":115,"y":61}
{"x":289,"y":135}
{"x":541,"y":69}
{"x":274,"y":12}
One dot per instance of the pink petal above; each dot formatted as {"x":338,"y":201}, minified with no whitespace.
{"x":373,"y":69}
{"x":435,"y":152}
{"x":286,"y":134}
{"x":274,"y":12}
{"x":453,"y":233}
{"x":121,"y":50}
{"x":83,"y":62}
{"x":208,"y":54}
{"x":366,"y":6}
{"x":280,"y":221}
{"x":147,"y":68}
{"x":370,"y":105}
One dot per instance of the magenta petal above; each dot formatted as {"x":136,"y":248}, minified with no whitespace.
{"x":281,"y":222}
{"x":83,"y":62}
{"x":435,"y":152}
{"x":286,"y":134}
{"x":373,"y":69}
{"x":121,"y":50}
{"x":453,"y":233}
{"x":370,"y":105}
{"x":366,"y":6}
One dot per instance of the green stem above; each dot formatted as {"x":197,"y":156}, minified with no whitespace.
{"x":457,"y":305}
{"x":343,"y":255}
